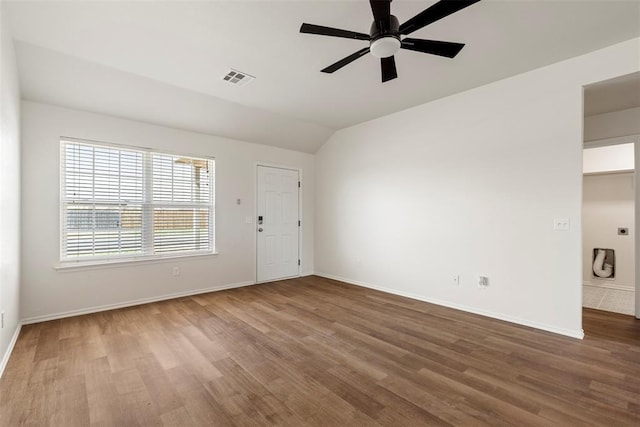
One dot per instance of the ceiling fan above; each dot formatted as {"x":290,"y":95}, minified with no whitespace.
{"x":385,"y":35}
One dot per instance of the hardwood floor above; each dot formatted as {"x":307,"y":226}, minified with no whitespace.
{"x":313,"y":351}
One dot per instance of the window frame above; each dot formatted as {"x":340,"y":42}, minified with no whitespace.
{"x":147,"y":204}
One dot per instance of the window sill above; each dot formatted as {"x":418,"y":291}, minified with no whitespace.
{"x":125,"y":262}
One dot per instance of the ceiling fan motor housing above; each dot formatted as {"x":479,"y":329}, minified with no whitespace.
{"x":385,"y":42}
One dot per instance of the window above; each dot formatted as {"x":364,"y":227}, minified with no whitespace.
{"x":121,"y":202}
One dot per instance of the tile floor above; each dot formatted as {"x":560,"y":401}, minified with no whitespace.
{"x":606,"y":299}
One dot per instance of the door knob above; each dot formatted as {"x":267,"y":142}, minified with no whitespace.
{"x":260,"y":229}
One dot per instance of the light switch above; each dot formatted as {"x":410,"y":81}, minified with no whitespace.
{"x":561,"y":224}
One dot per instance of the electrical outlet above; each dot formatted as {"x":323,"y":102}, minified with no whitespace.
{"x":455,"y":280}
{"x":176,"y":271}
{"x":483,"y":281}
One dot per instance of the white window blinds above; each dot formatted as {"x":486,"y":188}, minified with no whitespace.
{"x":126,"y":202}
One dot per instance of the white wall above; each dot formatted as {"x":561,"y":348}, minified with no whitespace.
{"x":609,"y":204}
{"x":469,"y":185}
{"x":612,"y":125}
{"x":9,"y":190}
{"x":47,"y":292}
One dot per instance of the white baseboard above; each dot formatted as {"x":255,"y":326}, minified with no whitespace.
{"x":579,"y":334}
{"x":608,"y":285}
{"x":7,"y":354}
{"x":96,"y":309}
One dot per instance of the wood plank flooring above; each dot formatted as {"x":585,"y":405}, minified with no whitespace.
{"x":313,"y":351}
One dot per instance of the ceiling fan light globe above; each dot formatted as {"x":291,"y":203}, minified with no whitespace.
{"x":384,"y":47}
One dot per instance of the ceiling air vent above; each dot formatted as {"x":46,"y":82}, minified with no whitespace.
{"x":237,"y":78}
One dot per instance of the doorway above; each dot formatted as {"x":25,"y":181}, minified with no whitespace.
{"x":607,"y":225}
{"x":610,"y":195}
{"x":278,"y":223}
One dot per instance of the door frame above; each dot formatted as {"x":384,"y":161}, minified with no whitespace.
{"x":636,"y":183}
{"x":255,"y":214}
{"x":635,"y":140}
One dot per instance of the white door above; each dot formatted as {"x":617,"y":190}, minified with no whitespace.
{"x":277,"y":223}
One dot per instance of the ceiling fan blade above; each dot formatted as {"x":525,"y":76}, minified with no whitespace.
{"x":438,"y":11}
{"x":333,"y":32}
{"x":344,"y":61}
{"x":434,"y":47}
{"x":388,"y":66}
{"x":381,"y":13}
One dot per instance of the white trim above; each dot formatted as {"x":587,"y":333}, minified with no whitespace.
{"x":579,"y":334}
{"x":123,"y":262}
{"x":636,"y":223}
{"x":7,"y":354}
{"x":608,"y":285}
{"x":107,"y":307}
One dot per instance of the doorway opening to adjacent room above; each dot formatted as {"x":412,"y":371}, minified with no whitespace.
{"x":610,"y":195}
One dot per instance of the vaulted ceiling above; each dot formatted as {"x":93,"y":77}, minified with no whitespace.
{"x":163,"y":62}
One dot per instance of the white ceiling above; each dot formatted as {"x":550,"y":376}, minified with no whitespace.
{"x":162,"y":62}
